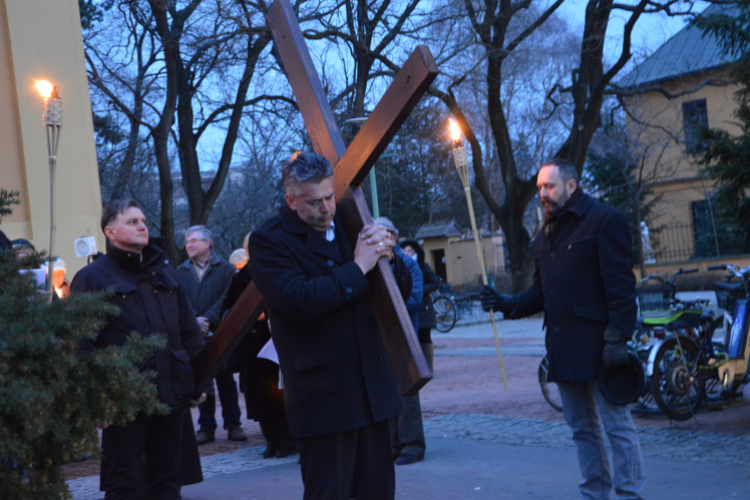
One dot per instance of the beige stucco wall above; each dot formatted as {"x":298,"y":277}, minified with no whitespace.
{"x":672,"y":172}
{"x":41,"y":40}
{"x":462,"y":266}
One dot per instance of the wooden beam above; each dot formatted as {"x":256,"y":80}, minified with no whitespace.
{"x":403,"y":94}
{"x":225,"y":340}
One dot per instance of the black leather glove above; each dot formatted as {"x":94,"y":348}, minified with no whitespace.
{"x":499,"y":302}
{"x":615,"y":353}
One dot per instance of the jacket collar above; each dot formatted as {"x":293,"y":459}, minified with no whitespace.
{"x":316,"y":241}
{"x":215,"y":261}
{"x":582,"y":205}
{"x":132,"y":261}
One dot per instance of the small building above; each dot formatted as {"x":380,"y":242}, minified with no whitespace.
{"x":452,"y":253}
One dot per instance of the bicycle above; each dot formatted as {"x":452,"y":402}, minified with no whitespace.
{"x":684,"y":347}
{"x":446,"y":312}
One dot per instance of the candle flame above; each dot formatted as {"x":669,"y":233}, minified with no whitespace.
{"x":44,"y":88}
{"x":455,"y":130}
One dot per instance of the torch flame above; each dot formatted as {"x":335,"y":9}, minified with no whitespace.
{"x":455,"y":130}
{"x":44,"y":87}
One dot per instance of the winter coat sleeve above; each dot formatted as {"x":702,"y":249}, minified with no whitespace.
{"x":190,"y":333}
{"x":214,"y":312}
{"x":288,"y":289}
{"x":431,"y":281}
{"x":415,"y":297}
{"x":616,"y":268}
{"x":530,"y":301}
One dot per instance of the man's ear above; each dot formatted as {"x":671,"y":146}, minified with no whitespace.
{"x":291,"y":202}
{"x":572,"y":185}
{"x":108,"y":233}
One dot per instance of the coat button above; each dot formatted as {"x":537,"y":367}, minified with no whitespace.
{"x":570,"y":246}
{"x":348,"y":289}
{"x":552,"y":255}
{"x":330,"y":263}
{"x":552,"y":291}
{"x":380,"y":357}
{"x":557,"y":328}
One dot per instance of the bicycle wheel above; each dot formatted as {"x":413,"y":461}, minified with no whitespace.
{"x":675,"y":384}
{"x":445,"y":313}
{"x":549,"y":389}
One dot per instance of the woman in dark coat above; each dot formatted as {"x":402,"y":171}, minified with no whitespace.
{"x":259,"y":378}
{"x":431,"y":283}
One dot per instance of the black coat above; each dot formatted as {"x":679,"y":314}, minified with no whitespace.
{"x":207,"y":295}
{"x":430,"y":281}
{"x":151,"y":302}
{"x":252,"y":373}
{"x":337,"y":375}
{"x":584,"y":283}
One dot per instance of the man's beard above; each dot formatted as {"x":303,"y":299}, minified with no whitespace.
{"x":551,"y":210}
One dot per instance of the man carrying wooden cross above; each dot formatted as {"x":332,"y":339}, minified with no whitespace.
{"x":339,"y":383}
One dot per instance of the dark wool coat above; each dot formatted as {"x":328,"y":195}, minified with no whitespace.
{"x":206,"y":296}
{"x":337,"y":375}
{"x":430,"y":285}
{"x":584,"y":283}
{"x":151,"y":302}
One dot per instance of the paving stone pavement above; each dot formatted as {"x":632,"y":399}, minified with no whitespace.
{"x":664,"y":442}
{"x":87,"y":488}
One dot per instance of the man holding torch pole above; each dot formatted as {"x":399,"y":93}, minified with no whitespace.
{"x":585,"y":285}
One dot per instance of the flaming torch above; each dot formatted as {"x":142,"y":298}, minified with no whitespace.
{"x":462,"y":165}
{"x":52,"y":118}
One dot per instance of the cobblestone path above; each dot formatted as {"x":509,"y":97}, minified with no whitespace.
{"x":665,"y":442}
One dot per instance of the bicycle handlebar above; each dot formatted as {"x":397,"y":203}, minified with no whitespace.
{"x":721,"y":267}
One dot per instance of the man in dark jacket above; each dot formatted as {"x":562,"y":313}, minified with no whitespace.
{"x":151,"y":302}
{"x":585,"y":285}
{"x":206,"y":278}
{"x":339,"y":385}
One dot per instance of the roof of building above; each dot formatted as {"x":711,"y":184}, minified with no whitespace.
{"x":687,"y":52}
{"x":439,"y":230}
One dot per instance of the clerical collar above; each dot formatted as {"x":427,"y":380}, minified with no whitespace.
{"x":331,"y":232}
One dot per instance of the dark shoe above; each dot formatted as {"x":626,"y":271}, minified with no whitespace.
{"x":235,"y":433}
{"x":204,"y":437}
{"x":269,"y":452}
{"x":406,"y":459}
{"x":286,"y":451}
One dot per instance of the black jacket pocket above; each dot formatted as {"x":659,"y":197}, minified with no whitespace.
{"x":315,"y":359}
{"x":592,"y":313}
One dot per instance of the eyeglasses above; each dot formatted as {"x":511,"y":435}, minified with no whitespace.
{"x":193,"y":242}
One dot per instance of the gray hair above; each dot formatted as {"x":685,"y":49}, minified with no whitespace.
{"x":205,"y":233}
{"x":305,"y":166}
{"x":566,"y":169}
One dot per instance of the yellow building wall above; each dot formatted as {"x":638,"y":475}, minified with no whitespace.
{"x":41,"y":40}
{"x":462,"y":265}
{"x":672,"y":173}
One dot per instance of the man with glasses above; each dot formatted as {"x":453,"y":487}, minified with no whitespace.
{"x":206,"y":278}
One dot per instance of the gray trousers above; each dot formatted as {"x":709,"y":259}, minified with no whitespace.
{"x":585,"y":411}
{"x":407,"y":433}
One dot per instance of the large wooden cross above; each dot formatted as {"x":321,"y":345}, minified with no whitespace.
{"x":351,"y":166}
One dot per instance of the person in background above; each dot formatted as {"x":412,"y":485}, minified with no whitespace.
{"x":142,"y":459}
{"x":426,"y":322}
{"x":259,"y":377}
{"x":238,"y":258}
{"x":23,"y":248}
{"x":61,"y":285}
{"x":206,"y":278}
{"x":5,"y":243}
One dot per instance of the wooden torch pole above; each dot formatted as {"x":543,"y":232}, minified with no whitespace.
{"x":462,"y":165}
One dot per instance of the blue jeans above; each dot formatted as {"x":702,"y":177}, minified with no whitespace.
{"x":230,"y":405}
{"x":585,"y":410}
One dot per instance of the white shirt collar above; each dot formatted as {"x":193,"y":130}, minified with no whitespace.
{"x":330,"y":232}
